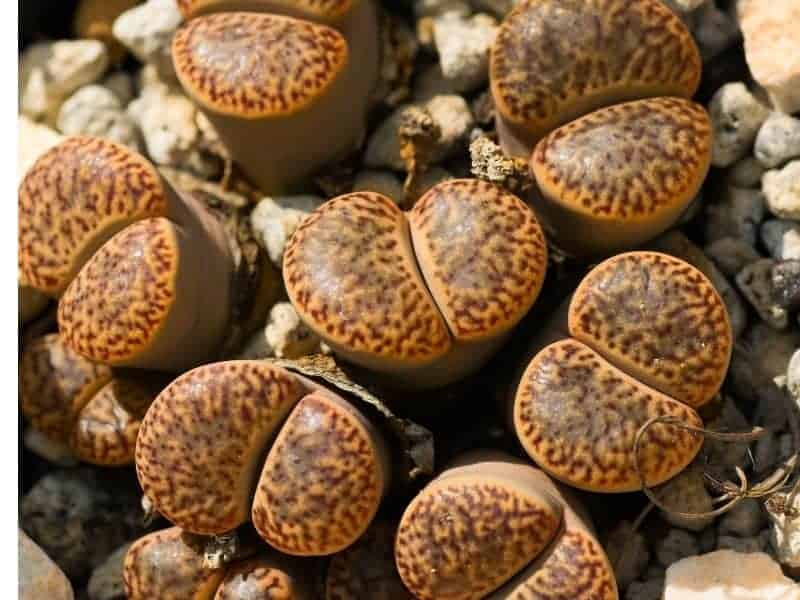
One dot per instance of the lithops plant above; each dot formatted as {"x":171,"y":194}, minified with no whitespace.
{"x":168,"y":564}
{"x":621,"y":175}
{"x":200,"y":457}
{"x":74,"y":401}
{"x":650,"y":337}
{"x":555,"y":60}
{"x":490,"y":526}
{"x":286,"y":95}
{"x":423,"y":297}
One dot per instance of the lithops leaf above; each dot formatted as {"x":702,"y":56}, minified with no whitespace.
{"x":658,"y":319}
{"x":323,"y":479}
{"x":469,"y":532}
{"x":482,"y":253}
{"x":577,"y":417}
{"x":202,"y":442}
{"x":168,"y":565}
{"x":351,"y":274}
{"x":257,"y":65}
{"x":312,"y":9}
{"x":55,"y":383}
{"x":106,"y":429}
{"x":555,"y":60}
{"x":623,"y":174}
{"x":269,"y":577}
{"x":74,"y":198}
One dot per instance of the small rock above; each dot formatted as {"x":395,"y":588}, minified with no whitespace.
{"x":778,"y":140}
{"x":436,"y":8}
{"x":627,"y":551}
{"x":33,"y":140}
{"x":765,"y":454}
{"x":718,"y":454}
{"x":52,"y":451}
{"x":741,"y":544}
{"x":707,"y":540}
{"x":728,"y":575}
{"x":106,"y":580}
{"x":121,"y":85}
{"x":463,"y":45}
{"x":79,"y":516}
{"x":755,"y":283}
{"x":771,"y":30}
{"x":382,"y":182}
{"x":51,"y":71}
{"x":793,"y":376}
{"x":686,"y":492}
{"x":786,"y":284}
{"x":94,"y":19}
{"x":674,"y":546}
{"x":745,"y":519}
{"x":95,"y":110}
{"x":287,"y":334}
{"x":256,"y":348}
{"x":499,"y":8}
{"x":785,"y":529}
{"x":645,"y":590}
{"x":274,"y":220}
{"x":782,"y":191}
{"x":737,"y":213}
{"x":746,"y":173}
{"x":736,"y":117}
{"x":714,"y":31}
{"x":39,"y":577}
{"x":449,"y":113}
{"x":431,"y":82}
{"x":782,"y":238}
{"x":147,"y":30}
{"x":731,"y":254}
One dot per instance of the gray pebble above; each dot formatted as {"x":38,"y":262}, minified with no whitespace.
{"x":782,"y":238}
{"x":778,"y":140}
{"x":765,"y":453}
{"x":745,"y":519}
{"x":741,"y":544}
{"x":730,"y":254}
{"x":714,"y":31}
{"x":755,"y":283}
{"x":736,"y":213}
{"x":106,"y":580}
{"x":674,"y":546}
{"x":686,"y":492}
{"x":736,"y":117}
{"x":627,"y":551}
{"x":645,"y":590}
{"x":786,"y":284}
{"x":746,"y":173}
{"x":707,"y":539}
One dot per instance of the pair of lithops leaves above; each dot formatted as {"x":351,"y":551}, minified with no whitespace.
{"x":491,"y":526}
{"x":596,"y":94}
{"x":235,"y":441}
{"x":644,"y":336}
{"x":287,"y":85}
{"x":169,"y":565}
{"x":80,"y":404}
{"x":144,"y":273}
{"x":423,"y":297}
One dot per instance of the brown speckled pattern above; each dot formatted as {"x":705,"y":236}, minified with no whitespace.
{"x":257,"y":65}
{"x":168,"y":565}
{"x":628,"y":161}
{"x":119,"y":301}
{"x":338,"y":266}
{"x":576,"y":568}
{"x":322,"y":482}
{"x":366,"y":569}
{"x":76,"y":196}
{"x":258,"y":579}
{"x":463,"y":537}
{"x":577,"y":417}
{"x":105,"y":433}
{"x":658,"y":319}
{"x":202,"y":441}
{"x":482,"y":253}
{"x":322,"y":9}
{"x":54,"y":385}
{"x":553,"y":60}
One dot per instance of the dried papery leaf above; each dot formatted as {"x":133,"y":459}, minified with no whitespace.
{"x":416,"y":441}
{"x":418,"y":134}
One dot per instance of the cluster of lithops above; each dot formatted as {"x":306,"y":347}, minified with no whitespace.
{"x":127,"y":255}
{"x":81,"y":404}
{"x":287,"y":87}
{"x":236,"y":441}
{"x":616,"y":177}
{"x":493,"y":527}
{"x":424,"y":297}
{"x":647,"y":336}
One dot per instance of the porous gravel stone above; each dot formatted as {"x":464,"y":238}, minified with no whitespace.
{"x":435,"y":8}
{"x":745,"y":173}
{"x":728,"y":575}
{"x":122,"y":85}
{"x":755,"y":283}
{"x":782,"y":238}
{"x":736,"y":117}
{"x":287,"y":335}
{"x":793,"y":375}
{"x":736,"y":213}
{"x":463,"y":45}
{"x":778,"y":140}
{"x":674,"y":546}
{"x":96,"y":110}
{"x":785,"y":530}
{"x":786,"y":284}
{"x":782,"y":191}
{"x":147,"y":30}
{"x":745,"y":519}
{"x":33,"y":140}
